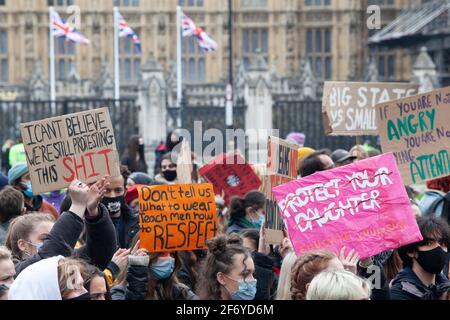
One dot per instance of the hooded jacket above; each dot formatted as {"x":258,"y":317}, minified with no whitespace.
{"x":37,"y":282}
{"x":100,"y":242}
{"x":407,"y":286}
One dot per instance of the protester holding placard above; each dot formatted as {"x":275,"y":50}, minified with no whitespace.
{"x":247,"y":212}
{"x":423,"y":262}
{"x":152,"y":276}
{"x":34,"y":237}
{"x":228,"y":271}
{"x":19,"y":178}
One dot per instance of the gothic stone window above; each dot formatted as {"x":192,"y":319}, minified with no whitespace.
{"x":191,"y":3}
{"x":4,"y":67}
{"x":317,"y":3}
{"x":130,"y":59}
{"x":318,"y":50}
{"x":64,"y":56}
{"x":60,"y":3}
{"x":194,"y":64}
{"x":252,"y":41}
{"x":126,"y":3}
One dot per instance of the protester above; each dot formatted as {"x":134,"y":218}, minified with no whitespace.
{"x":11,"y":205}
{"x":190,"y":266}
{"x":302,"y":154}
{"x":19,"y":178}
{"x":117,"y":265}
{"x":423,"y":262}
{"x":7,"y":271}
{"x":95,"y":282}
{"x":34,"y":237}
{"x":284,"y":281}
{"x":172,"y":141}
{"x":168,"y":171}
{"x":342,"y":157}
{"x":55,"y":278}
{"x":126,"y":223}
{"x":359,"y":152}
{"x":3,"y":181}
{"x":338,"y":285}
{"x":132,"y":198}
{"x":247,"y":212}
{"x":252,"y":240}
{"x":228,"y":271}
{"x":17,"y":153}
{"x":5,"y":166}
{"x":152,"y":276}
{"x":435,"y":200}
{"x":317,"y":161}
{"x":139,"y":178}
{"x":134,"y":157}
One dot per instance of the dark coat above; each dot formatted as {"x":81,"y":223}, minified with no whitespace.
{"x":136,"y":288}
{"x":264,"y":275}
{"x":407,"y":286}
{"x":378,"y":293}
{"x":127,"y":226}
{"x":100,"y":240}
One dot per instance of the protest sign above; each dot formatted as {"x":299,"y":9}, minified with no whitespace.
{"x":176,"y":217}
{"x":281,"y":169}
{"x":362,"y":206}
{"x":231,"y":175}
{"x":184,"y":163}
{"x":349,"y":107}
{"x":75,"y":146}
{"x":417,"y":131}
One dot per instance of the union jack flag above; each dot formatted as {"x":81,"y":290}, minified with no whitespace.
{"x":189,"y":28}
{"x":61,"y":28}
{"x":126,"y":31}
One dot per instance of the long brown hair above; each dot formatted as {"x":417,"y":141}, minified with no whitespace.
{"x":21,"y":228}
{"x":222,"y":250}
{"x":132,"y":151}
{"x":305,"y":269}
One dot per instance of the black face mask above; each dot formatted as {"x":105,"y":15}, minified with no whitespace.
{"x":432,"y":261}
{"x":86,"y":296}
{"x":170,"y":175}
{"x":140,"y":148}
{"x":114,"y":204}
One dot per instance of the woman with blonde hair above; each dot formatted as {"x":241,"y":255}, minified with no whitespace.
{"x":284,"y":281}
{"x":338,"y":285}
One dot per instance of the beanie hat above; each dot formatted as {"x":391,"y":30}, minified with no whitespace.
{"x":17,"y":171}
{"x":304,"y":152}
{"x":132,"y":193}
{"x":297,"y":138}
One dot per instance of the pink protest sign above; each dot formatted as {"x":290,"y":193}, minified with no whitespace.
{"x":362,"y":206}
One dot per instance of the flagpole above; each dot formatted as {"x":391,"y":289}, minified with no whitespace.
{"x":116,"y":56}
{"x":52,"y":60}
{"x":179,"y":68}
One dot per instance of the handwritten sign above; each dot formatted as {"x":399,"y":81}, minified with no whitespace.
{"x":231,"y":175}
{"x":176,"y":217}
{"x":281,"y":168}
{"x":417,"y":131}
{"x":362,"y":206}
{"x":75,"y":146}
{"x":349,"y":107}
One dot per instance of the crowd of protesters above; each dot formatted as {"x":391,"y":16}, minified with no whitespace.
{"x":85,"y":245}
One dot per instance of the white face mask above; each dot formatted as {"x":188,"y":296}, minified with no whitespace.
{"x":36,"y":245}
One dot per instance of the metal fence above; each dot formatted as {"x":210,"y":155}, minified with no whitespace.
{"x":124,"y":115}
{"x":306,"y":117}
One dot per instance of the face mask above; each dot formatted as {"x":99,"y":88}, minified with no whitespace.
{"x":170,"y":175}
{"x":27,"y":190}
{"x":113,"y":204}
{"x":86,"y":296}
{"x":37,"y":245}
{"x":246,"y":291}
{"x":162,"y":269}
{"x":432,"y":261}
{"x":141,"y":148}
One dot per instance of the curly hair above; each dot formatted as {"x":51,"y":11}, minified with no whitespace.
{"x":305,"y":269}
{"x":220,"y":258}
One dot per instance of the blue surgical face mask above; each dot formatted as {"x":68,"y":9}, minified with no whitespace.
{"x":162,"y":269}
{"x":27,"y":190}
{"x":246,"y":291}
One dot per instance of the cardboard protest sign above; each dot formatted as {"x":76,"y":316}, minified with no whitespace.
{"x":361,"y":206}
{"x":184,"y":163}
{"x":417,"y":131}
{"x":231,"y":175}
{"x":176,"y":217}
{"x":281,"y":169}
{"x":349,"y":107}
{"x":74,"y":146}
